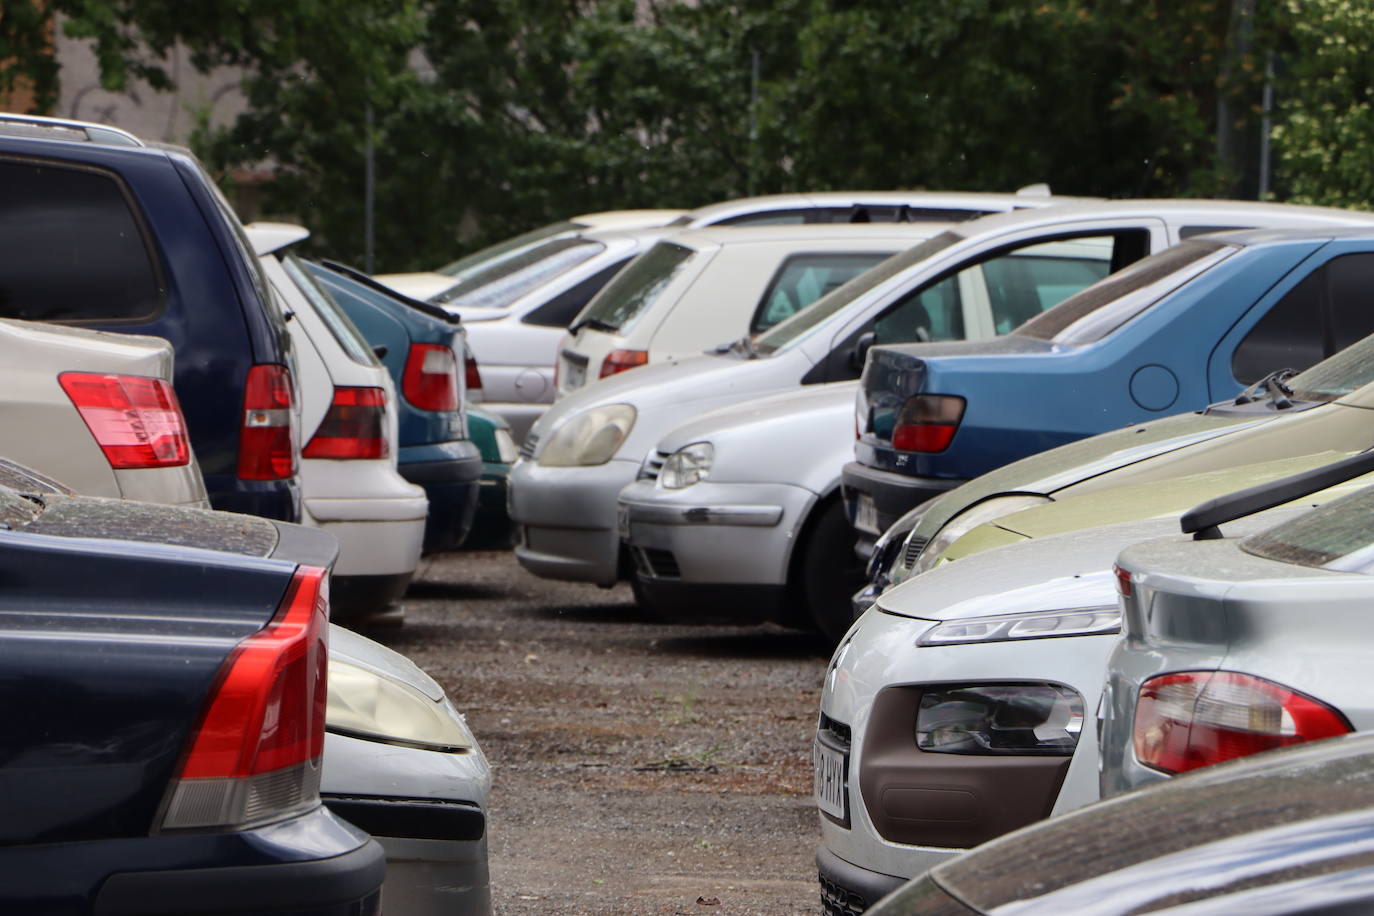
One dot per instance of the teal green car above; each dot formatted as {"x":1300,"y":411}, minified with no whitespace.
{"x":491,"y":528}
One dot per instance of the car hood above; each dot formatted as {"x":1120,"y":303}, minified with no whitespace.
{"x":1261,"y":827}
{"x":665,"y":394}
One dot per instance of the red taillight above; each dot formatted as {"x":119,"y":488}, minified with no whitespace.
{"x":135,"y":420}
{"x":354,"y":426}
{"x":927,"y":423}
{"x":620,"y":360}
{"x":255,"y":754}
{"x":1197,"y":718}
{"x":430,"y":381}
{"x":267,"y":443}
{"x":1123,"y":582}
{"x":472,"y":376}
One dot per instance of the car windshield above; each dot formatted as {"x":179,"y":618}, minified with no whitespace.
{"x":622,"y":300}
{"x":1337,"y":375}
{"x":1337,"y":536}
{"x":1097,"y":311}
{"x":794,"y":328}
{"x":505,"y":281}
{"x":478,"y":259}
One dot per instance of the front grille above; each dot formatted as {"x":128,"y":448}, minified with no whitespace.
{"x":914,"y":546}
{"x":653,"y":463}
{"x":527,"y":447}
{"x":657,"y":564}
{"x":837,"y":731}
{"x":836,"y":901}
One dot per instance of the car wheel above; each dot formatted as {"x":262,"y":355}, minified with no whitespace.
{"x":830,"y":571}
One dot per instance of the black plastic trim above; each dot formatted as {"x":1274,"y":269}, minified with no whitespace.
{"x":412,"y":818}
{"x":871,"y":886}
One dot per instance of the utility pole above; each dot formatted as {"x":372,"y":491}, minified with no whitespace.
{"x":369,"y":194}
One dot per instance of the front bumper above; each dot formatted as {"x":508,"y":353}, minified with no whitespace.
{"x":566,"y":519}
{"x":889,"y":494}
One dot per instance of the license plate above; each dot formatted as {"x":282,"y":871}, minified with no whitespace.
{"x":830,"y":774}
{"x":575,"y":373}
{"x":622,"y":521}
{"x":866,"y":515}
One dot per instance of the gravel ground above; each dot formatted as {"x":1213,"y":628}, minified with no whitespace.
{"x":638,"y":767}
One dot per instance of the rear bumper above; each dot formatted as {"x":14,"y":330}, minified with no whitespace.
{"x":893,"y":495}
{"x":277,"y":499}
{"x":452,"y":485}
{"x":847,"y":888}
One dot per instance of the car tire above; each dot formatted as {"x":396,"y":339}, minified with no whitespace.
{"x":829,"y":571}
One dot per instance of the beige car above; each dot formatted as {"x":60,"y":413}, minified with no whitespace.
{"x":96,"y":411}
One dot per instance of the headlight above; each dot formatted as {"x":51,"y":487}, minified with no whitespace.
{"x":999,"y":719}
{"x":1088,"y":621}
{"x":589,"y":438}
{"x":363,"y":704}
{"x":686,"y":466}
{"x":988,"y":510}
{"x":506,"y":449}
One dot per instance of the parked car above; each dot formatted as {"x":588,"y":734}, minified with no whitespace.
{"x":348,"y":464}
{"x":738,"y":513}
{"x":422,"y":347}
{"x":1177,"y":331}
{"x":1321,"y":409}
{"x":492,"y":527}
{"x":167,"y":667}
{"x":700,"y":288}
{"x":592,"y":443}
{"x":1233,"y":645}
{"x":971,"y":653}
{"x":1282,"y":833}
{"x":99,"y":230}
{"x":98,"y":411}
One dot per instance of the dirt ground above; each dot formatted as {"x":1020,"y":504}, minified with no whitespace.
{"x":638,"y":767}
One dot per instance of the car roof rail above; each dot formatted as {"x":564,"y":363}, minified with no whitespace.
{"x":95,"y":133}
{"x":1202,"y":520}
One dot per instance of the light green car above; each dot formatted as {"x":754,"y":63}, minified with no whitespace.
{"x":1273,"y":429}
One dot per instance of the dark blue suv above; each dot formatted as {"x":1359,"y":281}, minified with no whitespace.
{"x":101,"y":230}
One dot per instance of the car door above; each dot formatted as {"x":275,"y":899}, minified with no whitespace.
{"x":1319,"y":309}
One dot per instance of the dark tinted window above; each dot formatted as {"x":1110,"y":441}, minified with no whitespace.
{"x":71,"y":248}
{"x":932,"y":313}
{"x":1288,"y":336}
{"x":804,"y":278}
{"x":1350,"y":283}
{"x":633,"y":290}
{"x":502,"y":281}
{"x":559,"y":311}
{"x":1188,"y":232}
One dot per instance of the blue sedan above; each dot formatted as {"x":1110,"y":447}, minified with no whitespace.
{"x":1191,"y":325}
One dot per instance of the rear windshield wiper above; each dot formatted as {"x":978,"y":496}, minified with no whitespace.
{"x":1202,"y":521}
{"x":744,"y":346}
{"x":1271,"y":386}
{"x":596,"y":324}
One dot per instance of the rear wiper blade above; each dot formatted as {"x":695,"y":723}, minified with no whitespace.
{"x":1202,"y":520}
{"x":1271,"y":386}
{"x":596,"y":324}
{"x":744,"y":346}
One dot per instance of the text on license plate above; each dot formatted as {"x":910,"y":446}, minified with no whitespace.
{"x":866,"y":515}
{"x":829,"y":787}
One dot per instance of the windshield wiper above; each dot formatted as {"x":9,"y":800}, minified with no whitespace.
{"x":1271,"y":386}
{"x":744,"y":346}
{"x":596,"y":324}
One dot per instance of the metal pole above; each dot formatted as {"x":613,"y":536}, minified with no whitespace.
{"x":369,"y":196}
{"x":1266,"y":125}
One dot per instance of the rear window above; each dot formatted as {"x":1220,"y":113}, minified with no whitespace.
{"x":1100,"y":309}
{"x":1339,"y":535}
{"x":804,"y":278}
{"x":72,"y":248}
{"x":504,"y":281}
{"x":474,"y":261}
{"x":1337,"y":375}
{"x":626,"y":297}
{"x":340,"y":326}
{"x":799,"y":324}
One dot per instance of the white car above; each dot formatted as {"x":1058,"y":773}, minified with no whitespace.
{"x":705,"y":287}
{"x":589,"y":445}
{"x":97,"y":412}
{"x":739,"y":512}
{"x":349,"y":483}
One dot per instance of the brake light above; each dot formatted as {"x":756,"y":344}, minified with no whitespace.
{"x":1193,"y":719}
{"x":267,"y":443}
{"x":430,"y":380}
{"x":927,"y":423}
{"x":1123,"y":582}
{"x":135,"y":420}
{"x":354,"y":426}
{"x":472,"y":376}
{"x":620,"y":360}
{"x":255,"y":754}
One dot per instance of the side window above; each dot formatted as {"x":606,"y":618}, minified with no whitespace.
{"x":1023,"y":283}
{"x":71,"y":248}
{"x":769,"y":218}
{"x":933,"y":313}
{"x":804,"y":278}
{"x":1288,"y":336}
{"x":559,"y":311}
{"x":1350,"y":284}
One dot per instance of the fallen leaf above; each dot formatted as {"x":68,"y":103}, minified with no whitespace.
{"x":708,"y":901}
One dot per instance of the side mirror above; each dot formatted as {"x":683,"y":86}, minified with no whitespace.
{"x":859,"y":354}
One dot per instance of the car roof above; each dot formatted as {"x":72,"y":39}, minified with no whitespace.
{"x":808,"y":232}
{"x":1173,"y":211}
{"x":67,"y":129}
{"x":1034,"y":196}
{"x":627,"y":219}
